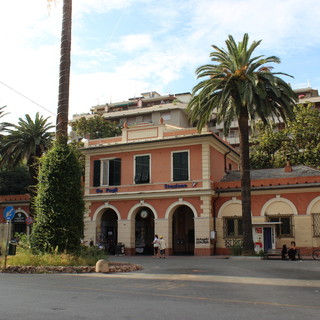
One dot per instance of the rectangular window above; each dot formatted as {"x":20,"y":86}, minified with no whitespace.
{"x":316,"y":224}
{"x":232,"y":227}
{"x":142,"y":169}
{"x":283,"y":230}
{"x":107,"y":172}
{"x":180,"y":166}
{"x":166,"y":115}
{"x":139,"y":119}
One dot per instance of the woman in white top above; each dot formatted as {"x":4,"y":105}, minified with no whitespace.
{"x":156,"y":243}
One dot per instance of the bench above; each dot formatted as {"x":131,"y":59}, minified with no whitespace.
{"x":277,"y":253}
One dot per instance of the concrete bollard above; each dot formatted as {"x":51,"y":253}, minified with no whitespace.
{"x":102,"y":266}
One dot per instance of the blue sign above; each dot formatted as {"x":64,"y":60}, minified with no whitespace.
{"x":9,"y":213}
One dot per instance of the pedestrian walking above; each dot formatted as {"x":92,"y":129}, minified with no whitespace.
{"x":162,"y":247}
{"x":156,"y":243}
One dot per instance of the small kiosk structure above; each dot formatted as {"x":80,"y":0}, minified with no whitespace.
{"x":264,"y":235}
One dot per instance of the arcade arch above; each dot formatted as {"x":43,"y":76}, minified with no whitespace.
{"x":106,"y":220}
{"x":182,"y":215}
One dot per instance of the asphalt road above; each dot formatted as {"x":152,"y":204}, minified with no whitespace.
{"x":173,"y":288}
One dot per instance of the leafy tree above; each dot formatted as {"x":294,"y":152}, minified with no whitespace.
{"x":265,"y":144}
{"x":59,"y":202}
{"x":95,"y":127}
{"x":14,"y":181}
{"x":239,"y":86}
{"x":303,"y":134}
{"x":298,"y":142}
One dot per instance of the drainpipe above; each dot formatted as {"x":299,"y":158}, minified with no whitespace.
{"x":214,"y":221}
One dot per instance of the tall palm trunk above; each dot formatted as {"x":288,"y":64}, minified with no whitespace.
{"x":32,"y":164}
{"x":64,"y":73}
{"x":248,"y":247}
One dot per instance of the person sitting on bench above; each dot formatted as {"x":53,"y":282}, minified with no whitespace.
{"x":284,"y":252}
{"x":292,"y":251}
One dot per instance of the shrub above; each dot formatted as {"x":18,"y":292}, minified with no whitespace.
{"x":86,"y":256}
{"x":59,"y":204}
{"x":236,"y":249}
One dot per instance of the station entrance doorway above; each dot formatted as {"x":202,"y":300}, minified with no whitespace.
{"x":109,"y":231}
{"x":144,"y":231}
{"x":183,"y":231}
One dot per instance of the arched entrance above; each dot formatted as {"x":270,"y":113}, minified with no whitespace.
{"x":109,"y":230}
{"x":144,"y":231}
{"x":183,"y":231}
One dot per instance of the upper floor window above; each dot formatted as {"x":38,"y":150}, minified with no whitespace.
{"x":139,"y":119}
{"x":180,"y":166}
{"x":107,"y":172}
{"x":284,"y":229}
{"x":166,"y":115}
{"x":142,"y":169}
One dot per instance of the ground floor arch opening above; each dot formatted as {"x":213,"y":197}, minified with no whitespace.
{"x":183,"y":231}
{"x":144,"y":231}
{"x":108,"y":237}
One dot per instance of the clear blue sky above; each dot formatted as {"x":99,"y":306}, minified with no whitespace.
{"x":124,"y":47}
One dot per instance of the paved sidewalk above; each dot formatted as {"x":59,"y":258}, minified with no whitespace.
{"x":248,"y":267}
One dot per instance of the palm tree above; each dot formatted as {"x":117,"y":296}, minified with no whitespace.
{"x":239,"y":86}
{"x":2,"y":114}
{"x":26,"y":141}
{"x":64,"y":73}
{"x":3,"y":125}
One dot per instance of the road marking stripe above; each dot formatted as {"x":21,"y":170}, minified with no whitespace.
{"x":210,"y":278}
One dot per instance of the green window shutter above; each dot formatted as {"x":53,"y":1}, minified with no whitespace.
{"x":96,"y":173}
{"x":180,"y":166}
{"x":117,"y":172}
{"x":114,"y":171}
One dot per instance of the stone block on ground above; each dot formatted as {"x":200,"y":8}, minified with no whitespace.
{"x":102,"y":266}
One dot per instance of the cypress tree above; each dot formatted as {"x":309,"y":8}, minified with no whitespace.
{"x":59,"y":204}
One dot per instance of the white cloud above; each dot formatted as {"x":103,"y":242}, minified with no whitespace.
{"x":133,"y":42}
{"x":174,"y":38}
{"x":283,"y":25}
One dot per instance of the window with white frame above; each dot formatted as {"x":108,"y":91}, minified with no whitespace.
{"x":180,"y":166}
{"x":284,"y":229}
{"x":107,"y":172}
{"x":232,"y":227}
{"x":142,"y":169}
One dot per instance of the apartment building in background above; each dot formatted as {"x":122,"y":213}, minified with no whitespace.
{"x":151,"y":106}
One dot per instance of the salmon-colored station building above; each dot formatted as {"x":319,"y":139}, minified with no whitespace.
{"x":185,"y":186}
